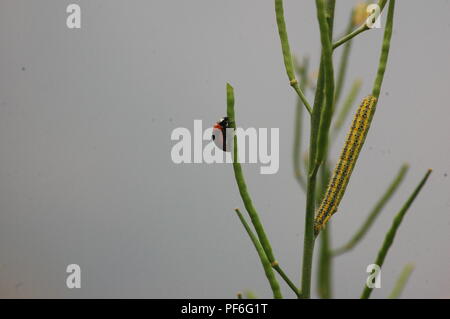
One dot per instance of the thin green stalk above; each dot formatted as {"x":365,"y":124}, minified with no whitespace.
{"x":262,"y":256}
{"x":384,"y":50}
{"x":308,"y":240}
{"x":350,"y":36}
{"x":263,"y":240}
{"x":401,"y":281}
{"x":319,"y":100}
{"x":325,"y":266}
{"x":327,"y":59}
{"x":242,"y":185}
{"x":287,"y":57}
{"x":325,"y":258}
{"x":329,"y":10}
{"x":343,"y":64}
{"x":389,"y":239}
{"x":347,"y":106}
{"x":358,"y":30}
{"x":313,"y":166}
{"x":375,"y":212}
{"x":298,"y":126}
{"x":265,"y":262}
{"x":325,"y":83}
{"x":287,"y":280}
{"x":308,"y":243}
{"x":297,"y":146}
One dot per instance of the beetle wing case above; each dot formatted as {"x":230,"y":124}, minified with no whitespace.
{"x":223,"y":135}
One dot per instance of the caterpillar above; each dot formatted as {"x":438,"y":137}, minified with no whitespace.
{"x":343,"y":170}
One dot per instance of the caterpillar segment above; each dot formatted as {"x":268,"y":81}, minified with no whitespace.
{"x":343,"y":170}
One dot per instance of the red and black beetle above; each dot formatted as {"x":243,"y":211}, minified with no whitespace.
{"x":219,"y":135}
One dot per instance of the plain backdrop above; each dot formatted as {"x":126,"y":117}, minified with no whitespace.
{"x":86,"y":175}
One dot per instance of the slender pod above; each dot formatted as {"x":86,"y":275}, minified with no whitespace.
{"x":401,"y":281}
{"x":287,"y":56}
{"x":390,"y":235}
{"x":376,"y":210}
{"x":384,"y":50}
{"x":239,"y":175}
{"x":344,"y":167}
{"x":262,"y":255}
{"x":262,"y":239}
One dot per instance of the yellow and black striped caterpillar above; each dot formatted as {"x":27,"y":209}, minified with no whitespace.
{"x":344,"y":167}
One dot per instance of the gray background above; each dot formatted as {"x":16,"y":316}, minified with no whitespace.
{"x":85,"y":170}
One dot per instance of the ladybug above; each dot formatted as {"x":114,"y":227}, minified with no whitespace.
{"x":219,"y":134}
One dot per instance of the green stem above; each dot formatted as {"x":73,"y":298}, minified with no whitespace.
{"x":241,"y":182}
{"x":325,"y":266}
{"x":346,"y":107}
{"x":297,"y":146}
{"x":325,"y":260}
{"x":325,"y":257}
{"x":401,"y":281}
{"x":375,"y":212}
{"x":360,"y":29}
{"x":298,"y":126}
{"x":287,"y":57}
{"x":239,"y":176}
{"x":320,"y":124}
{"x":262,"y":256}
{"x":327,"y":110}
{"x":343,"y":64}
{"x":350,"y":36}
{"x":308,"y":243}
{"x":389,"y":238}
{"x":309,"y":238}
{"x":384,"y":50}
{"x":287,"y":280}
